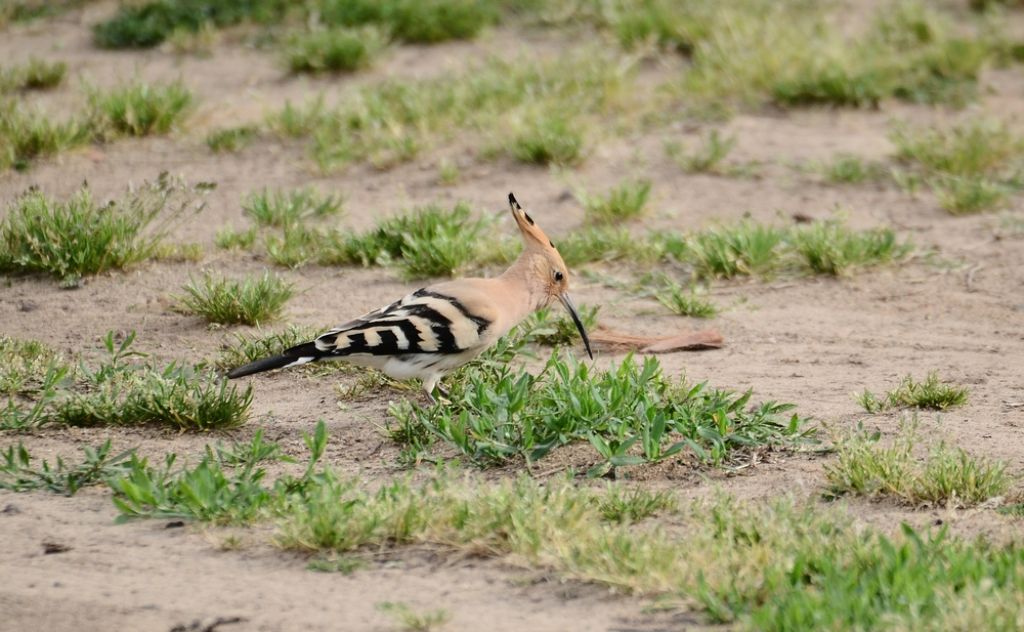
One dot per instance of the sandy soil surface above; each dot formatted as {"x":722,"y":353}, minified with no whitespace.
{"x":957,"y":307}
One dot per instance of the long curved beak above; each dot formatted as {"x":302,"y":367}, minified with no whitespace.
{"x":576,"y":320}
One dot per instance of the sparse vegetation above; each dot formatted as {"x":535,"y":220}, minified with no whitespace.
{"x":231,"y":139}
{"x":686,"y":302}
{"x":503,"y":472}
{"x":18,"y":474}
{"x":969,"y":195}
{"x":126,"y":391}
{"x":791,"y":54}
{"x":604,"y":243}
{"x":28,"y":10}
{"x":972,"y":167}
{"x":948,"y":475}
{"x":928,"y":394}
{"x":548,"y":138}
{"x":35,"y":74}
{"x":392,"y":122}
{"x":149,"y":23}
{"x":735,"y":562}
{"x":977,"y":147}
{"x":284,"y":208}
{"x":251,"y":301}
{"x":229,"y":238}
{"x":448,"y":173}
{"x":628,"y":506}
{"x":25,"y":364}
{"x":624,"y":202}
{"x":746,"y":248}
{"x":849,"y":169}
{"x":138,"y":108}
{"x":411,"y":620}
{"x":833,"y":249}
{"x":429,"y":241}
{"x":28,"y":134}
{"x":704,"y":159}
{"x":346,"y":565}
{"x":334,"y":50}
{"x":630,"y":414}
{"x":80,"y":237}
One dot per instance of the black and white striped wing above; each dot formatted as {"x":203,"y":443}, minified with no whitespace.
{"x":425,"y":322}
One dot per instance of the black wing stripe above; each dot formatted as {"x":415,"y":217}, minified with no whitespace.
{"x":420,"y":323}
{"x":388,"y":339}
{"x":440,"y":325}
{"x":481,"y":323}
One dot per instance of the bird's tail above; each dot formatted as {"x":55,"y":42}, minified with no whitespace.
{"x":301,"y":354}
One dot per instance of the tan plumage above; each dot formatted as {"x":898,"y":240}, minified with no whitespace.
{"x":441,"y":327}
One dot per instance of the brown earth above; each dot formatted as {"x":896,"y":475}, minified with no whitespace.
{"x":956,"y":307}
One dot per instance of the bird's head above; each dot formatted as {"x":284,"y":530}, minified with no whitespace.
{"x":546,"y":273}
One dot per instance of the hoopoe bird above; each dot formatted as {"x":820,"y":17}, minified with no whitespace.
{"x":441,"y":327}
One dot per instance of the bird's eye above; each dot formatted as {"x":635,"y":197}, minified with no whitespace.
{"x":559,"y":276}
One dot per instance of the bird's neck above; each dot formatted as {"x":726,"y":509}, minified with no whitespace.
{"x":520,"y":281}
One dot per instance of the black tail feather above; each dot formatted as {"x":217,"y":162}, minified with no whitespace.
{"x":306,"y":350}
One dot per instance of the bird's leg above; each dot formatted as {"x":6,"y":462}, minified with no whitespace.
{"x":442,"y":391}
{"x":429,"y":385}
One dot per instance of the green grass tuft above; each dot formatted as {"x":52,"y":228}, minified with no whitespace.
{"x":978,"y":147}
{"x":833,"y":249}
{"x":603,"y":243}
{"x":849,"y":169}
{"x":251,"y":301}
{"x":283,"y":208}
{"x":346,"y":565}
{"x":630,"y":506}
{"x":972,"y":167}
{"x":631,"y":414}
{"x":625,"y":202}
{"x":793,"y":54}
{"x":334,"y":50}
{"x":428,"y":242}
{"x":231,"y":139}
{"x":28,"y":134}
{"x":686,"y":302}
{"x":18,"y":474}
{"x":929,"y":394}
{"x":746,"y":248}
{"x":126,"y":391}
{"x":25,"y":365}
{"x":80,"y":237}
{"x":948,"y":475}
{"x":149,"y":23}
{"x":391,"y":122}
{"x":969,"y":195}
{"x":431,"y":21}
{"x":138,"y":108}
{"x":35,"y":74}
{"x":410,"y":620}
{"x":548,"y":138}
{"x":704,"y":159}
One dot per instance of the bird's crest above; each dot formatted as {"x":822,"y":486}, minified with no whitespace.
{"x":533,"y":236}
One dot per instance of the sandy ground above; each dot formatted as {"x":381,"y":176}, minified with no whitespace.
{"x":956,"y":307}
